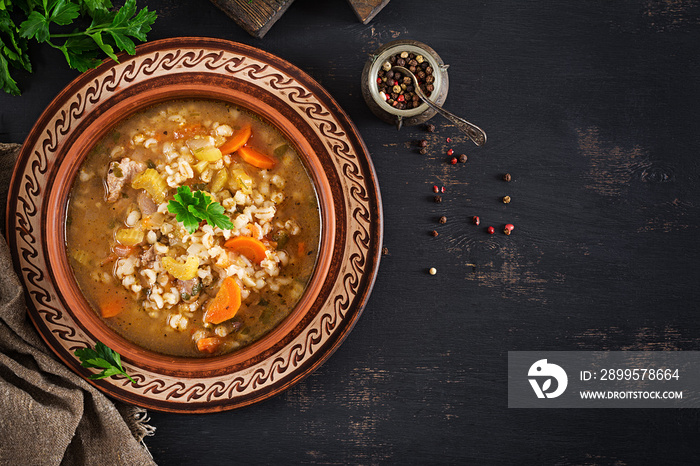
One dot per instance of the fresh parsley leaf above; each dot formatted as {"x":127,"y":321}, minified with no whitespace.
{"x":8,"y":84}
{"x":108,"y":32}
{"x":191,"y":208}
{"x":183,"y":215}
{"x":64,"y":12}
{"x":90,"y":6}
{"x":102,"y":357}
{"x":35,"y":27}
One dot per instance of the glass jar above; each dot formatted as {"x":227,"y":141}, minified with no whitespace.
{"x":387,"y":113}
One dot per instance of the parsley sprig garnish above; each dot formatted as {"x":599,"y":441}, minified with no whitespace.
{"x":191,"y":208}
{"x":98,"y":29}
{"x":102,"y":357}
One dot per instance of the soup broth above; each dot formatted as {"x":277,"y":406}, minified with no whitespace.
{"x":193,"y":228}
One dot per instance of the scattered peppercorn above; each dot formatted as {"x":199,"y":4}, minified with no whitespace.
{"x":475,"y":220}
{"x":430,"y":128}
{"x":437,"y":199}
{"x":442,"y":190}
{"x":463,"y":158}
{"x":423,"y":151}
{"x":506,"y":199}
{"x":385,"y":251}
{"x":491,"y":230}
{"x":508,"y":229}
{"x":434,"y":233}
{"x":448,"y":140}
{"x":432,"y":271}
{"x":450,"y":152}
{"x":436,"y":189}
{"x":507,"y":177}
{"x":443,"y":220}
{"x":453,"y":160}
{"x":422,"y":143}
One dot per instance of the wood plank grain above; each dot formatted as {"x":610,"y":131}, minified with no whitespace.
{"x":256,"y":16}
{"x":367,"y":9}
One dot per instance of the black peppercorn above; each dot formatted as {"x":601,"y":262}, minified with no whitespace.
{"x":400,"y":62}
{"x":443,"y":220}
{"x":434,"y":233}
{"x":507,"y":177}
{"x":463,"y":158}
{"x":423,"y":151}
{"x":438,"y":199}
{"x":430,"y":128}
{"x":422,"y":143}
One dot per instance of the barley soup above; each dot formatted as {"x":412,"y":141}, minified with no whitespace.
{"x":193,"y":228}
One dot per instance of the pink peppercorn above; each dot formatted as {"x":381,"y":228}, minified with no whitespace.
{"x":491,"y":230}
{"x":450,"y":152}
{"x":453,"y":160}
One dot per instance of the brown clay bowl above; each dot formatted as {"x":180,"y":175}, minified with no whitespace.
{"x":331,"y":149}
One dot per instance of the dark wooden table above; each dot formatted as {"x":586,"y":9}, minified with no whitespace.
{"x":593,"y":107}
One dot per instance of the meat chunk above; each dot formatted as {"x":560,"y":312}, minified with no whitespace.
{"x":148,"y":257}
{"x":119,"y":174}
{"x":189,"y":289}
{"x":146,"y":204}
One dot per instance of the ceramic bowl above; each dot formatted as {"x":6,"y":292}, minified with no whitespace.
{"x":332,"y":151}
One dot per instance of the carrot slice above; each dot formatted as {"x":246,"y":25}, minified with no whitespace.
{"x":254,"y":230}
{"x":209,"y":345}
{"x":236,"y":141}
{"x":225,"y":304}
{"x":111,"y":308}
{"x":252,"y":248}
{"x":256,"y":158}
{"x":301,"y":248}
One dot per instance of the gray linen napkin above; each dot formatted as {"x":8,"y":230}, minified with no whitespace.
{"x":48,"y":414}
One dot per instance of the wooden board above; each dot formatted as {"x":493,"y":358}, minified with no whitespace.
{"x":367,"y":9}
{"x":256,"y":16}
